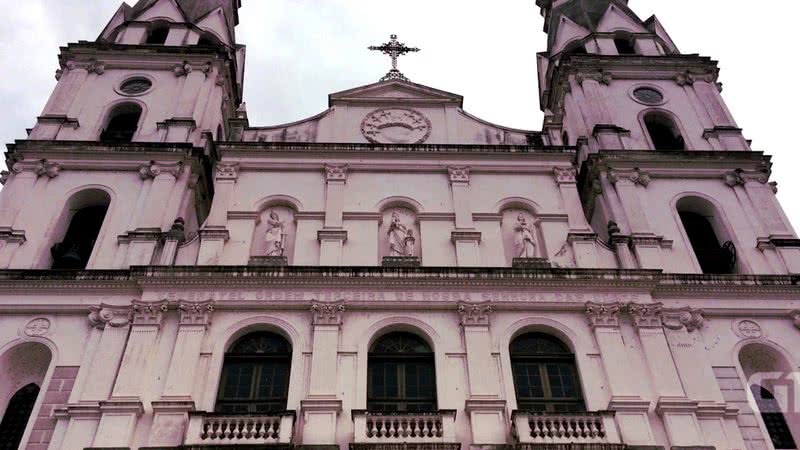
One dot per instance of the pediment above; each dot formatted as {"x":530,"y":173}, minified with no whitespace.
{"x":395,"y":92}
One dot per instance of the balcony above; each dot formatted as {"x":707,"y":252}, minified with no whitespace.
{"x":565,"y":428}
{"x":405,"y":428}
{"x":236,"y":429}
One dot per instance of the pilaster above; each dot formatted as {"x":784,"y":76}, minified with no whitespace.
{"x":631,"y":409}
{"x":333,"y":235}
{"x":630,"y":186}
{"x":465,"y":237}
{"x":321,"y":407}
{"x":177,"y":400}
{"x":486,"y":408}
{"x":215,"y":233}
{"x":581,"y":237}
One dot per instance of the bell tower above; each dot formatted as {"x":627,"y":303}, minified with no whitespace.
{"x":117,"y":170}
{"x":160,"y":71}
{"x":615,"y":81}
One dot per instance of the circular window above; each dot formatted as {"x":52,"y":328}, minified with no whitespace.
{"x":136,"y":86}
{"x":648,"y":96}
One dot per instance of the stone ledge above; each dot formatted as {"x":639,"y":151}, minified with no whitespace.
{"x":269,"y":261}
{"x":400,"y":261}
{"x":530,"y":263}
{"x":406,"y":446}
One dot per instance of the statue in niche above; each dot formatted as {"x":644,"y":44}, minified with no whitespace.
{"x":401,"y":238}
{"x":275,"y":235}
{"x":524,"y":243}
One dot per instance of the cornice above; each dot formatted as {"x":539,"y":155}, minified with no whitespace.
{"x":292,"y":148}
{"x":658,"y":284}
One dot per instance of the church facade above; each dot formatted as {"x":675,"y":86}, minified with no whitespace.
{"x":394,"y":272}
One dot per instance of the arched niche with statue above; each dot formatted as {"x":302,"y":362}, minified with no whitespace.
{"x":399,"y":237}
{"x":274,"y":236}
{"x":522,"y":240}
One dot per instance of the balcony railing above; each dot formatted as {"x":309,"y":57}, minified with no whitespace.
{"x":565,"y":428}
{"x":391,"y":428}
{"x":225,"y":429}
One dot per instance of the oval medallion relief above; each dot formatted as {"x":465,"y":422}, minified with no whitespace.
{"x":396,"y":126}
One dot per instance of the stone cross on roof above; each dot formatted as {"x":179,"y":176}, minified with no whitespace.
{"x":394,"y":49}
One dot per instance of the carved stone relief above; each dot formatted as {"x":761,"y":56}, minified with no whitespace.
{"x":399,"y":233}
{"x":327,"y":313}
{"x":37,"y":327}
{"x":474,"y":313}
{"x":102,"y":316}
{"x":520,"y":235}
{"x":747,"y":329}
{"x":396,"y":126}
{"x":275,"y":233}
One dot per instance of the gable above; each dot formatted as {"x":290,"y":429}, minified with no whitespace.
{"x":394,"y":91}
{"x":615,"y":20}
{"x":568,"y":31}
{"x":216,"y":23}
{"x":162,"y":9}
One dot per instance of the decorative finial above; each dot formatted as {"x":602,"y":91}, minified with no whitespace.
{"x":394,"y":49}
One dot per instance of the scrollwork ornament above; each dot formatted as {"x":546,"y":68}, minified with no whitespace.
{"x":96,"y":67}
{"x":734,"y":178}
{"x":48,"y":168}
{"x":458,"y":174}
{"x":149,"y":170}
{"x":327,"y":313}
{"x":685,"y":78}
{"x":472,"y":314}
{"x":227,"y":171}
{"x":336,"y":172}
{"x":565,"y":175}
{"x":102,"y":316}
{"x":795,"y":315}
{"x":183,"y":69}
{"x":677,"y":318}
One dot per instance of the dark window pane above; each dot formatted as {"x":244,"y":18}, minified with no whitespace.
{"x":16,"y":417}
{"x":544,"y":373}
{"x":401,"y":375}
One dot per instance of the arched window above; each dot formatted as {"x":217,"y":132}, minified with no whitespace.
{"x":663,"y":132}
{"x":122,"y":123}
{"x":773,"y":418}
{"x":625,"y":43}
{"x":545,"y":375}
{"x":88,"y":211}
{"x":698,"y":219}
{"x":255,"y":375}
{"x":771,"y":372}
{"x":157,"y":33}
{"x":16,"y":417}
{"x":401,"y":375}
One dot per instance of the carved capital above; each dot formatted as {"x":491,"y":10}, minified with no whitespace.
{"x":677,"y":318}
{"x":565,"y":175}
{"x":603,"y":314}
{"x":601,"y":77}
{"x":458,"y":174}
{"x":327,"y":313}
{"x":154,"y":169}
{"x":48,"y":168}
{"x":196,"y":313}
{"x":472,"y":314}
{"x":336,"y":172}
{"x":148,"y":313}
{"x":795,"y":316}
{"x":685,"y":78}
{"x":183,"y":69}
{"x":734,"y":178}
{"x":227,"y":171}
{"x":645,"y":315}
{"x":104,"y":315}
{"x":96,"y":66}
{"x":635,"y":176}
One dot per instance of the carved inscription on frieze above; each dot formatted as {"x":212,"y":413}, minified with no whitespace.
{"x":332,"y":295}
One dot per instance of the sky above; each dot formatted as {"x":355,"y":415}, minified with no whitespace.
{"x":299,"y":51}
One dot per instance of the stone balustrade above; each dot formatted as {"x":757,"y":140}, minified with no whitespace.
{"x":226,"y":429}
{"x":565,"y":428}
{"x":423,"y":427}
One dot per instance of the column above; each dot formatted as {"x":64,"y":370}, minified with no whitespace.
{"x":486,"y":408}
{"x":215,"y":233}
{"x":580,"y":236}
{"x":171,"y":412}
{"x":321,"y":407}
{"x":631,"y":409}
{"x":333,"y":235}
{"x":123,"y":409}
{"x":677,"y":411}
{"x":629,"y":184}
{"x":465,"y":237}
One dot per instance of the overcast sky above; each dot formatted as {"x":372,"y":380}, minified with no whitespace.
{"x":299,"y":51}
